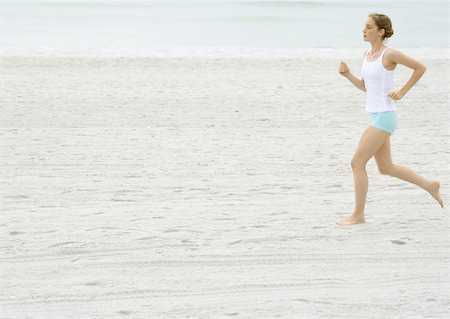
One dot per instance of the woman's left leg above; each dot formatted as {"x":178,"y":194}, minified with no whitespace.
{"x":371,"y":141}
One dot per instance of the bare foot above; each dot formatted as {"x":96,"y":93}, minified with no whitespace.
{"x":434,"y":191}
{"x":351,"y":220}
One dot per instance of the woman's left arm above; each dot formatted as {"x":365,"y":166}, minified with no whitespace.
{"x":397,"y":57}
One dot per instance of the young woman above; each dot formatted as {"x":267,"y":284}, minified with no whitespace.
{"x":377,"y":80}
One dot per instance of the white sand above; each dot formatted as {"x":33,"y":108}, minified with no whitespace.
{"x":210,"y":187}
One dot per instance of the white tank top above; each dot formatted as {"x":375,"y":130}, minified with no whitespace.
{"x":379,"y":82}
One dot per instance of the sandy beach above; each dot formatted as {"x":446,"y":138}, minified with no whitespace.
{"x":209,"y":187}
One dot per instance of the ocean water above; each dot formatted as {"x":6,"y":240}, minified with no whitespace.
{"x":139,"y":26}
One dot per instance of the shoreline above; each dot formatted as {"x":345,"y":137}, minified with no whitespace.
{"x":205,"y":52}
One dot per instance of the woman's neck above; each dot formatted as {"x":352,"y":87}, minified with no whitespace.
{"x":377,"y":47}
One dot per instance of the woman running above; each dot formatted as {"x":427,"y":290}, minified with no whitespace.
{"x":377,"y":80}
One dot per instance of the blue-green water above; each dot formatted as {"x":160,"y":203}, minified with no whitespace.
{"x":108,"y":26}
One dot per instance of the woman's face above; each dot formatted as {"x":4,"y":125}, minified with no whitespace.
{"x":371,"y":32}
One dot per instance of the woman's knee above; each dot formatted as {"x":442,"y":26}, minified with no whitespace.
{"x":357,"y":164}
{"x":386,"y":170}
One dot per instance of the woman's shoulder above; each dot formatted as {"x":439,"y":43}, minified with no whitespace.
{"x":399,"y":57}
{"x":391,"y":52}
{"x":393,"y":56}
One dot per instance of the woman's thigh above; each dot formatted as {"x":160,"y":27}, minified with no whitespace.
{"x":370,"y":143}
{"x":383,"y":157}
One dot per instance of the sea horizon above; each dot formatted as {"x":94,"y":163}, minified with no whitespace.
{"x":147,"y":27}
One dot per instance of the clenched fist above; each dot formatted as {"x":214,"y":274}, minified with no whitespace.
{"x":343,"y":69}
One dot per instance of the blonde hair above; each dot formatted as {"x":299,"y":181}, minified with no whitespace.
{"x":383,"y":22}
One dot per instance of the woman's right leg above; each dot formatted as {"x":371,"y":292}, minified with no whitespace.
{"x":387,"y":167}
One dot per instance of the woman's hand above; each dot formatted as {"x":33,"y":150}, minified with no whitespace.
{"x":396,"y":95}
{"x":343,"y":69}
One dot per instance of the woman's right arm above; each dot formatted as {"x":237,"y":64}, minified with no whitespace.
{"x":345,"y":71}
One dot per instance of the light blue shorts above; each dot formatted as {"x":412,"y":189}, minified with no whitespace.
{"x":385,"y":121}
